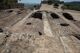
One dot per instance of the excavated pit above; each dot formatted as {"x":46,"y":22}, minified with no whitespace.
{"x":77,"y":36}
{"x":28,"y":23}
{"x":1,"y":30}
{"x":9,"y":11}
{"x":68,"y":16}
{"x":64,"y":24}
{"x":54,"y":16}
{"x":40,"y":33}
{"x":37,"y":15}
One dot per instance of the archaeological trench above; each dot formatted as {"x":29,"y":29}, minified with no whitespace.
{"x":46,"y":30}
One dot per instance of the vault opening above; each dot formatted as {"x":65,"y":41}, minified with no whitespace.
{"x":28,"y":23}
{"x":64,"y":24}
{"x":1,"y":30}
{"x":55,"y":16}
{"x":37,"y":15}
{"x":9,"y":11}
{"x":76,"y":36}
{"x":68,"y":16}
{"x":40,"y":33}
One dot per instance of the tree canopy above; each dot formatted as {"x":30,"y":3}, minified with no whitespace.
{"x":7,"y":3}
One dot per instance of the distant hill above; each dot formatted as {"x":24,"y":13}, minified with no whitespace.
{"x":75,"y":5}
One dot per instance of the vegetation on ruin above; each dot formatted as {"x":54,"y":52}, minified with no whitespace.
{"x":7,"y":4}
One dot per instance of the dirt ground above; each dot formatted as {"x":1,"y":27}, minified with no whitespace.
{"x":41,"y":31}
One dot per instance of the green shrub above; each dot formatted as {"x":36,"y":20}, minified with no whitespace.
{"x":72,"y":6}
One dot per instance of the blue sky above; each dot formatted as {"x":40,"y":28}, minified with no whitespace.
{"x":30,"y":1}
{"x":38,"y":1}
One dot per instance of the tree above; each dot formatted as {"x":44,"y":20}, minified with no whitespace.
{"x":7,"y":3}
